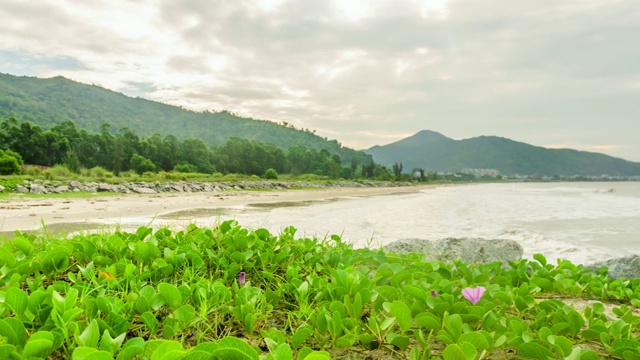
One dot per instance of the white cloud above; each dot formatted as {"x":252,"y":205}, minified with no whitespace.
{"x":364,"y":72}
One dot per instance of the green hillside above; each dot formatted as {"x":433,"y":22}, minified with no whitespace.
{"x":49,"y":102}
{"x":435,"y":152}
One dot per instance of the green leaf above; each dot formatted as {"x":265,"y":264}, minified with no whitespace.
{"x":18,"y":330}
{"x":453,"y":325}
{"x":576,"y":322}
{"x":301,"y":335}
{"x":40,"y":348}
{"x":464,"y":351}
{"x":317,"y":355}
{"x":476,"y":339}
{"x":107,"y":343}
{"x":6,"y":258}
{"x":232,"y":348}
{"x":132,"y":348}
{"x":283,"y":352}
{"x":23,"y":245}
{"x":89,"y":353}
{"x":402,"y":313}
{"x":184,"y":314}
{"x":429,"y":321}
{"x":170,"y":294}
{"x":400,"y":341}
{"x":90,"y":335}
{"x":540,"y":258}
{"x":534,"y":351}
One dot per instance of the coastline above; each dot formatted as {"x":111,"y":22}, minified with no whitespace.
{"x":29,"y":214}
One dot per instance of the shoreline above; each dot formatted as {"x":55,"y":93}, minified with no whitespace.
{"x":31,"y":214}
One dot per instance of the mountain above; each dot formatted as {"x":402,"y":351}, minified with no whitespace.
{"x":49,"y":102}
{"x":435,"y":152}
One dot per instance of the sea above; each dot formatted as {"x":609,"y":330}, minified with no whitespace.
{"x":582,"y":222}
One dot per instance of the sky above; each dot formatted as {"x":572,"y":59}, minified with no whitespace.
{"x":558,"y":74}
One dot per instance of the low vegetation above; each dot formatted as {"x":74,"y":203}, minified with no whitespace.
{"x":232,"y":293}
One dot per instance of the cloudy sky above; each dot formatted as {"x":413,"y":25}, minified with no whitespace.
{"x":547,"y":72}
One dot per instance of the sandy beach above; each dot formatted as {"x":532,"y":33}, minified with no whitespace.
{"x":27,"y":214}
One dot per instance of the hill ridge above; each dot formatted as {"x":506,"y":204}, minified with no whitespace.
{"x":507,"y":156}
{"x":51,"y":101}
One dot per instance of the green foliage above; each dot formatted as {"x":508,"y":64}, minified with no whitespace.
{"x":56,"y":102}
{"x":140,"y":164}
{"x":10,"y":162}
{"x":175,"y":294}
{"x":271,"y":174}
{"x":57,"y":171}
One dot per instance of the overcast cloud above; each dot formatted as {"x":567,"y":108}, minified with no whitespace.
{"x":546,"y":72}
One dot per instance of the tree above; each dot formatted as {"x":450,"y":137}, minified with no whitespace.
{"x":397,"y":171}
{"x":141,"y":164}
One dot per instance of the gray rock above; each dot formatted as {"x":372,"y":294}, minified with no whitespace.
{"x":627,"y":267}
{"x":75,"y":184}
{"x":469,"y":250}
{"x":102,"y":187}
{"x":22,"y":189}
{"x":60,"y":189}
{"x":37,"y":189}
{"x":143,"y":190}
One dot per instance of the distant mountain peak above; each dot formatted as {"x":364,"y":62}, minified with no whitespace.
{"x":430,"y":135}
{"x":435,"y":152}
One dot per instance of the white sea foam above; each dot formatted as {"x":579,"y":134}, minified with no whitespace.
{"x":582,"y":222}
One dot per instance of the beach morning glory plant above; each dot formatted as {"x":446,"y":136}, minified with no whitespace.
{"x":473,"y":294}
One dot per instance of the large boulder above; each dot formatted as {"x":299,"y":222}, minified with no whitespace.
{"x":38,"y":189}
{"x":143,"y":190}
{"x":469,"y":250}
{"x":627,"y":267}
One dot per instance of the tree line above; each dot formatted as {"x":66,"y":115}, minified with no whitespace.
{"x":123,"y":150}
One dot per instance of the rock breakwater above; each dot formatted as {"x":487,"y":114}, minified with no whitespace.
{"x":140,"y":187}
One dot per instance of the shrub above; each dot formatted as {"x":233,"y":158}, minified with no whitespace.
{"x":10,"y":162}
{"x":57,"y":171}
{"x":31,"y":170}
{"x":271,"y":174}
{"x":141,"y":164}
{"x":185,"y":167}
{"x":98,"y":172}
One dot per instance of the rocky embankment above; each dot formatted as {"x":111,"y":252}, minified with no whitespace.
{"x":59,"y":187}
{"x":483,"y":251}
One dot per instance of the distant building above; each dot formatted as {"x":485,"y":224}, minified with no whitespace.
{"x":481,"y":172}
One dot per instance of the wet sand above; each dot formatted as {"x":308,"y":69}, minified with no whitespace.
{"x":74,"y":214}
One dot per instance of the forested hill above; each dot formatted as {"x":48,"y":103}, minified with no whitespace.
{"x":49,"y":102}
{"x":433,"y":151}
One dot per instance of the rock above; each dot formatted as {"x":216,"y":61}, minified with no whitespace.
{"x":143,"y":190}
{"x":469,"y":250}
{"x":627,"y":267}
{"x":1,"y":188}
{"x":38,"y":189}
{"x":61,"y":189}
{"x":102,"y":187}
{"x":75,"y":184}
{"x":22,"y":189}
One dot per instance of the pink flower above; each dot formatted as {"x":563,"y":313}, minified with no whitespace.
{"x":434,"y":293}
{"x":242,"y":277}
{"x":473,"y":294}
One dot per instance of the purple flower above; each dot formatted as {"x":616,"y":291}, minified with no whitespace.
{"x":473,"y":294}
{"x":434,"y":293}
{"x":529,"y":269}
{"x":242,"y":277}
